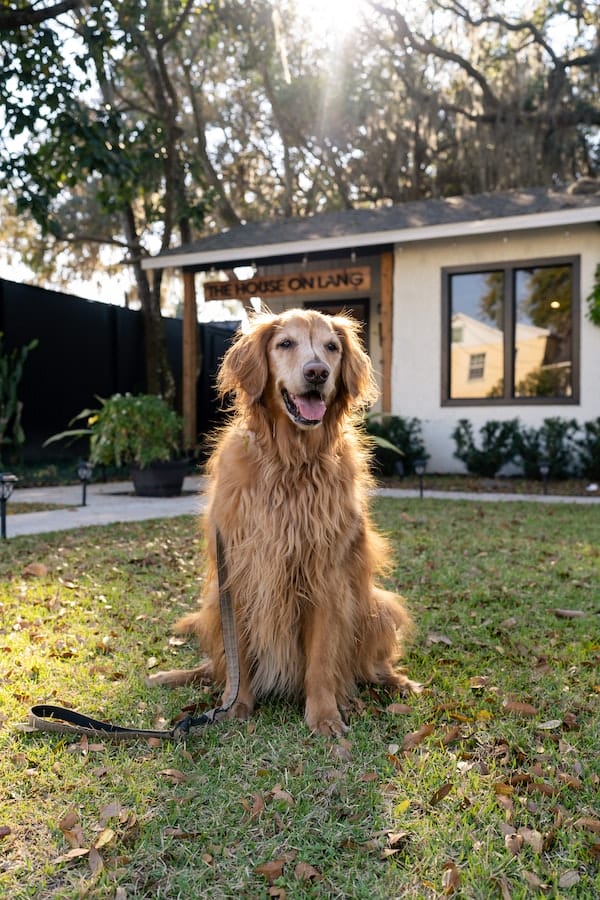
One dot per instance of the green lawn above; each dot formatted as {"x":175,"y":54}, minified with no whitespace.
{"x":487,"y":785}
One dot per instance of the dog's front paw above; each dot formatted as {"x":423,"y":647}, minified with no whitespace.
{"x":408,"y":686}
{"x":239,"y":710}
{"x":326,"y":722}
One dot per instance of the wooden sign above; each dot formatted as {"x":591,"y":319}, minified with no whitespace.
{"x":329,"y":281}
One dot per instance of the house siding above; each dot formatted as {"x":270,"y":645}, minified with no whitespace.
{"x":417,"y":343}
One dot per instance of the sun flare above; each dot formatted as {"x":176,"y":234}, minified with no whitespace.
{"x":331,"y":16}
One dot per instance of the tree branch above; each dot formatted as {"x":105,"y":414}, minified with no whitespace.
{"x":12,"y":19}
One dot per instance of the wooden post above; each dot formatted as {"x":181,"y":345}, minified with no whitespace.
{"x":190,"y":361}
{"x":387,"y":323}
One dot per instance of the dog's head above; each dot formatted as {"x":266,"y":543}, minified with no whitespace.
{"x":300,"y":364}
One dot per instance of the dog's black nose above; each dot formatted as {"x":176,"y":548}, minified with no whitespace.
{"x":316,"y":372}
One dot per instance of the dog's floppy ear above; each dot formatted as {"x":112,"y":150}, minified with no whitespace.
{"x":358,"y":382}
{"x":244,"y":367}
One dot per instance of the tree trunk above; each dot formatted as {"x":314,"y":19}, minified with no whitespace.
{"x":159,"y":377}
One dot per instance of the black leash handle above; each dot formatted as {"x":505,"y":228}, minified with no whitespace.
{"x":45,"y":717}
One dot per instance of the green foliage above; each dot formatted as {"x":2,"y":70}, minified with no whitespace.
{"x":554,"y":442}
{"x":11,"y":372}
{"x":398,"y":442}
{"x":589,"y":449}
{"x":496,"y":450}
{"x":593,"y":299}
{"x":544,"y":382}
{"x":128,"y":430}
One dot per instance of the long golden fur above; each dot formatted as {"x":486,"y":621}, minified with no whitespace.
{"x":288,"y":491}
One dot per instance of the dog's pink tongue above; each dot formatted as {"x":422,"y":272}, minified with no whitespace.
{"x":311,"y":408}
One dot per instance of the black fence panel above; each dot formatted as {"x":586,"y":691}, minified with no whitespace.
{"x":215,"y":338}
{"x":89,"y":349}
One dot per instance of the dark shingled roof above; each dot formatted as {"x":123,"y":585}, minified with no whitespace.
{"x":422,"y":213}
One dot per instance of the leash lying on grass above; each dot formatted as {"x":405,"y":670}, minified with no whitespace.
{"x":45,"y":717}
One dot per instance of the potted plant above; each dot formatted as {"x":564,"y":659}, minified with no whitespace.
{"x":140,"y":431}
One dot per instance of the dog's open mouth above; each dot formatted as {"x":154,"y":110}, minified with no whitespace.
{"x":305,"y":409}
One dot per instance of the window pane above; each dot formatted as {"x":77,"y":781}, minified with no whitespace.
{"x":476,"y":335}
{"x":543,"y":341}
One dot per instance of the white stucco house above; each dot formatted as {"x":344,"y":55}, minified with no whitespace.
{"x":473,"y":307}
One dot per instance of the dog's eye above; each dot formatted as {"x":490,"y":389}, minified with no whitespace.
{"x":286,"y":344}
{"x":332,"y":347}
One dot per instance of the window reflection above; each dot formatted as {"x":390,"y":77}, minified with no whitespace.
{"x":543,"y":362}
{"x":477,"y":338}
{"x":539,"y":350}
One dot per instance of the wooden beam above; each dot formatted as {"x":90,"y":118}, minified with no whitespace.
{"x":387,"y":324}
{"x":190,"y":362}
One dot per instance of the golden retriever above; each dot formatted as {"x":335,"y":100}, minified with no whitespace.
{"x":288,"y":491}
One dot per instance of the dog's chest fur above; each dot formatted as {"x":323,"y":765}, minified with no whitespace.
{"x":297,"y":533}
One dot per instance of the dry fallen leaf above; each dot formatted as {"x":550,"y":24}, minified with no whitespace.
{"x":5,"y":830}
{"x":519,"y":708}
{"x":369,"y":777}
{"x":450,"y":878}
{"x":69,"y":819}
{"x":513,"y":843}
{"x":180,"y":835}
{"x":550,"y":725}
{"x":503,"y":789}
{"x":452,"y":734}
{"x":104,"y":838}
{"x":35,"y":570}
{"x":71,"y":854}
{"x":441,"y":792}
{"x":503,"y":884}
{"x":414,"y":738}
{"x":110,"y":811}
{"x":95,"y":861}
{"x":588,"y":822}
{"x":278,"y":793}
{"x":174,"y":775}
{"x":306,"y":872}
{"x":71,"y":829}
{"x":568,"y":613}
{"x":271,"y":870}
{"x":398,"y":709}
{"x":569,"y":879}
{"x":255,"y":808}
{"x":435,"y":638}
{"x":532,"y":838}
{"x":534,"y":882}
{"x":570,"y":780}
{"x":397,"y":840}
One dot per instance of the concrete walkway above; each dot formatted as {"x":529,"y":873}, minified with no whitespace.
{"x":116,"y":502}
{"x":106,"y":503}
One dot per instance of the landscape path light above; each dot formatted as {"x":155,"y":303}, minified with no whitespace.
{"x":84,"y":473}
{"x":544,"y":467}
{"x":7,"y":483}
{"x":419,"y":466}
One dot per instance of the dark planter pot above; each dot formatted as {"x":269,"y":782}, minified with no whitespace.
{"x":159,"y":479}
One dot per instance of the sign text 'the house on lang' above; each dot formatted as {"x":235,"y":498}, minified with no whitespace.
{"x":329,"y":281}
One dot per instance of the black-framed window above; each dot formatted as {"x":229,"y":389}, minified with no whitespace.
{"x":510,"y":332}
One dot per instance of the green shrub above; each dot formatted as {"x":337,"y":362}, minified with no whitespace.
{"x":555,"y":442}
{"x":402,"y":433}
{"x":129,"y":430}
{"x":497,"y":446}
{"x":589,"y":450}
